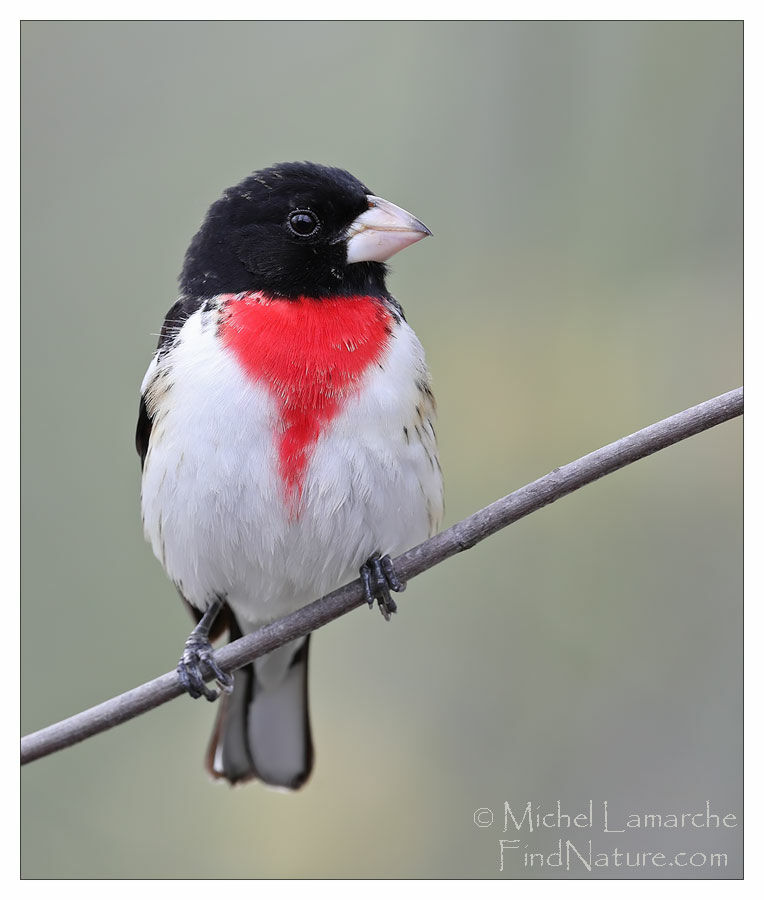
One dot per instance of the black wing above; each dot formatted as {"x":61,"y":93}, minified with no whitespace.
{"x":173,"y":322}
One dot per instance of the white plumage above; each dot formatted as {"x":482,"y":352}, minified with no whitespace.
{"x":212,"y":498}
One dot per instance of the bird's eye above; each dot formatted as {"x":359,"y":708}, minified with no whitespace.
{"x":303,"y":222}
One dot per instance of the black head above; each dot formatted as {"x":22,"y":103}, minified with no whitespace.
{"x":283,"y":231}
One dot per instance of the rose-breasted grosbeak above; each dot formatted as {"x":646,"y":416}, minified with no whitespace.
{"x":286,"y":437}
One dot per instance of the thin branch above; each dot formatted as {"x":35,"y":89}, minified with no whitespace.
{"x":459,"y":537}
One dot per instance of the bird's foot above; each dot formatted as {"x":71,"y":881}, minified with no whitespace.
{"x":198,"y":661}
{"x":379,"y":578}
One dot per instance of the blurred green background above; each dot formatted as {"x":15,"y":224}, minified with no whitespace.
{"x":584,"y":183}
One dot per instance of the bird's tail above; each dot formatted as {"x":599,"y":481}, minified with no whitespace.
{"x":263,"y":726}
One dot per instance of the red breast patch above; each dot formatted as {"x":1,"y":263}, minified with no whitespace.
{"x":311,"y":355}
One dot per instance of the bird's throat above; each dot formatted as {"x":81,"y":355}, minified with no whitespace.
{"x":312,"y":356}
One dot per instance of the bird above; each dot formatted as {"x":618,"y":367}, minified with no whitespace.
{"x":286,"y":433}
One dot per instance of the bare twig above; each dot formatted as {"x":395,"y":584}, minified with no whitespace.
{"x":462,"y":536}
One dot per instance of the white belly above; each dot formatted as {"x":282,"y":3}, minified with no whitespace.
{"x":214,"y":505}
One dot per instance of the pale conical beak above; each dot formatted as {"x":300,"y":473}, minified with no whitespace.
{"x":382,"y":231}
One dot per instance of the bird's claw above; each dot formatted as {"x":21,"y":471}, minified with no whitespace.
{"x":197,"y":661}
{"x":379,"y":578}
